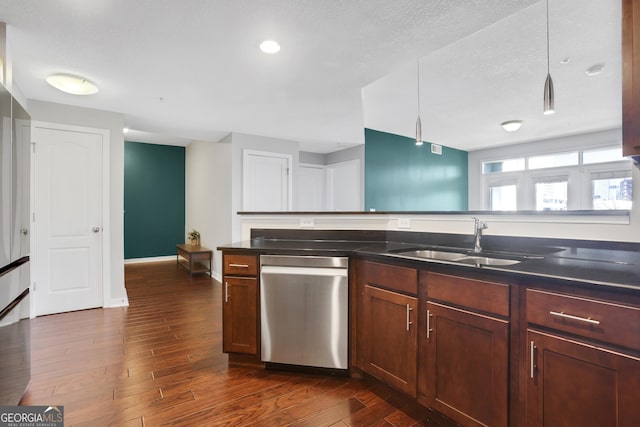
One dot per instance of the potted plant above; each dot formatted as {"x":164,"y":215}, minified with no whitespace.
{"x":194,"y":236}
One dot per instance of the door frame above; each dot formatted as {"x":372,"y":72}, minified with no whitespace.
{"x":106,"y":219}
{"x":245,"y":173}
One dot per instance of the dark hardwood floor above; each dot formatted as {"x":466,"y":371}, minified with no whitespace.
{"x":160,"y":362}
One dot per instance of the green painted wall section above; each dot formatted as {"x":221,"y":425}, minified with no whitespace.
{"x":400,"y":176}
{"x":154,"y":199}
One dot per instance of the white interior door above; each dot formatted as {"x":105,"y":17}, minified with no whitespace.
{"x":68,"y":220}
{"x":266,"y":181}
{"x":344,"y":189}
{"x":311,"y":181}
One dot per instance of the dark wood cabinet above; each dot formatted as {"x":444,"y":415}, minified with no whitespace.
{"x":464,"y":362}
{"x":390,"y":342}
{"x":571,"y":383}
{"x":630,"y":77}
{"x":240,"y":314}
{"x":387,"y":336}
{"x":582,"y":361}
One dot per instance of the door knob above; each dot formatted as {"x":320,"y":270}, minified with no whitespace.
{"x":96,"y":229}
{"x":24,"y":231}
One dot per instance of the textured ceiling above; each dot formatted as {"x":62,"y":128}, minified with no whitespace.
{"x":468,"y":88}
{"x":192,"y":70}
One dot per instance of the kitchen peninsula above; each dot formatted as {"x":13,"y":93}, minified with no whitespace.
{"x":484,"y":343}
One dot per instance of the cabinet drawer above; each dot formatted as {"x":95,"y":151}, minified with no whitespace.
{"x":613,"y":323}
{"x":401,"y":279}
{"x":241,"y":265}
{"x":484,"y":296}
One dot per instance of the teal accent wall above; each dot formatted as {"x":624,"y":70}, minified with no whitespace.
{"x":400,"y":176}
{"x":154,"y":199}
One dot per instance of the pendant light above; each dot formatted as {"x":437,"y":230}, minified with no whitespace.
{"x":418,"y":121}
{"x":549,"y":103}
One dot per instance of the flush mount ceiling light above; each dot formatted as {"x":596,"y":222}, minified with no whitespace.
{"x":549,"y":102}
{"x":418,"y":121}
{"x":594,"y":70}
{"x":511,"y":125}
{"x":270,"y":46}
{"x":75,"y":85}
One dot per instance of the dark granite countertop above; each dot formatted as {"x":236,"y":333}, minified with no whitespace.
{"x":612,"y":265}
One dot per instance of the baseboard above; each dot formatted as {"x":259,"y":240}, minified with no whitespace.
{"x":118,"y":302}
{"x":150,"y":259}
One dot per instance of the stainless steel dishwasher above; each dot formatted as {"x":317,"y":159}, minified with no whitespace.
{"x":304,"y":310}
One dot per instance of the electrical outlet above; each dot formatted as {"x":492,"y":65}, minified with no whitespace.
{"x":436,"y":149}
{"x":404,"y":223}
{"x":306,"y":222}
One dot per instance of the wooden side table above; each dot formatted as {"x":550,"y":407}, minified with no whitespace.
{"x":196,"y":259}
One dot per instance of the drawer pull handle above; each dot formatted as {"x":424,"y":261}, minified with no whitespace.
{"x":429,"y":324}
{"x":532,"y":356}
{"x":226,"y":291}
{"x":578,"y":318}
{"x":239,"y":265}
{"x":409,"y":323}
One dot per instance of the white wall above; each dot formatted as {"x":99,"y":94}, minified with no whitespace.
{"x":603,"y":228}
{"x":241,"y":142}
{"x":208,"y":195}
{"x":114,"y":122}
{"x":214,"y":186}
{"x":625,"y":229}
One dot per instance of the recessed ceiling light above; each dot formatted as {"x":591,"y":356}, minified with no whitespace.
{"x":594,"y":70}
{"x":511,"y":125}
{"x":75,"y":85}
{"x":565,"y":61}
{"x":270,"y":46}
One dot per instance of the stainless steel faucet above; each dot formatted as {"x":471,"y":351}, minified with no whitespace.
{"x":477,"y":232}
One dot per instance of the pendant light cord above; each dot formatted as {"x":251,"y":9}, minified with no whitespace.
{"x":547,"y":36}
{"x":418,"y":80}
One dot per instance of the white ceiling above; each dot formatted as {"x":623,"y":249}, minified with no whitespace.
{"x":192,"y":70}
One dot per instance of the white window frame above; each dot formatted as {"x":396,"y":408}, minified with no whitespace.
{"x":578,"y":188}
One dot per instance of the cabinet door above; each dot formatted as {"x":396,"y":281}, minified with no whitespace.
{"x":630,"y":81}
{"x":240,"y":315}
{"x":573,"y":384}
{"x":467,"y":364}
{"x":390,"y":338}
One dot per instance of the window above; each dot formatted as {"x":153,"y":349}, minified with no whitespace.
{"x":553,"y":160}
{"x":503,"y":197}
{"x":551,"y":195}
{"x":596,"y":179}
{"x":611,"y":190}
{"x":601,"y":155}
{"x":510,"y":165}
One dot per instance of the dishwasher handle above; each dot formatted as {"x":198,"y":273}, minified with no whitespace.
{"x":303,"y":271}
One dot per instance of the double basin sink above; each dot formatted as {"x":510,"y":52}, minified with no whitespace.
{"x":458,"y":257}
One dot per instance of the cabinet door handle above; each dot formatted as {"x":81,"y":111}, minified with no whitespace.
{"x":239,"y":265}
{"x":578,"y":318}
{"x":532,"y":355}
{"x":429,"y":324}
{"x":409,"y":323}
{"x":226,"y":291}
